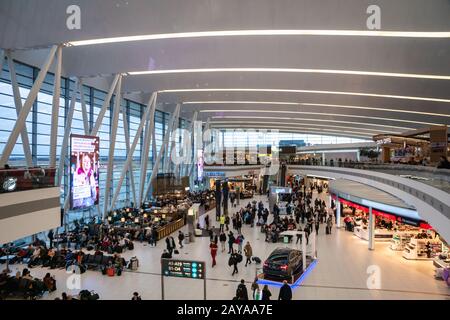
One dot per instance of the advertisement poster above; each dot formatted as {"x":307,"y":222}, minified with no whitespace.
{"x":84,"y":174}
{"x":200,"y":163}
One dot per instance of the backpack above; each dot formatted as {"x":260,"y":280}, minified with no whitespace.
{"x":230,"y":261}
{"x":130,"y":246}
{"x":85,"y":295}
{"x":134,"y":263}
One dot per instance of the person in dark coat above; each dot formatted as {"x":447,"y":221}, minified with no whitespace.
{"x":234,"y":259}
{"x":285,"y":292}
{"x":51,"y":237}
{"x":241,"y":292}
{"x":169,"y":245}
{"x":231,"y":240}
{"x":266,"y":293}
{"x":172,"y":243}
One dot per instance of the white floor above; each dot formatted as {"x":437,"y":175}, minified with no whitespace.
{"x":341,"y":272}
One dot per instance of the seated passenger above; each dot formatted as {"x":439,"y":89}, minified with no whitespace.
{"x":49,"y":282}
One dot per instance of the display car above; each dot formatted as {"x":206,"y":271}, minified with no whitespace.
{"x":283,"y":263}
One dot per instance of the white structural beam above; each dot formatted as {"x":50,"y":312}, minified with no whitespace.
{"x":55,"y":108}
{"x":150,"y":125}
{"x":67,"y":129}
{"x":112,"y":145}
{"x":133,"y":147}
{"x":173,"y":126}
{"x":161,"y":152}
{"x":371,"y":229}
{"x":83,"y":107}
{"x":185,"y":169}
{"x":21,"y":119}
{"x":2,"y":59}
{"x":18,"y":103}
{"x":105,"y":106}
{"x":127,"y":146}
{"x":198,"y":144}
{"x":338,"y":213}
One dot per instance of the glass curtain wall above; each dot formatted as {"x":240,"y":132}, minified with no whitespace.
{"x":38,"y":127}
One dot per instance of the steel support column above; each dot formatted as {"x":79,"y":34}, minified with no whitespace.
{"x":161,"y":151}
{"x":18,"y":104}
{"x":175,"y":122}
{"x":21,"y":119}
{"x":127,"y":145}
{"x":55,"y":108}
{"x":83,"y":107}
{"x":150,"y":119}
{"x":105,"y":106}
{"x":112,"y":145}
{"x":2,"y":60}
{"x":133,"y":147}
{"x":199,"y":144}
{"x":371,"y":229}
{"x":186,"y":167}
{"x":67,"y":129}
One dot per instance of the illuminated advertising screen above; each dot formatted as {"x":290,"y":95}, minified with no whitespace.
{"x":200,"y":163}
{"x":84,"y":171}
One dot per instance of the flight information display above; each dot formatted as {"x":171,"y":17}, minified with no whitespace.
{"x":183,"y":268}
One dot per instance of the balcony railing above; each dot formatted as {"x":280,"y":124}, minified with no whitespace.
{"x":20,"y":179}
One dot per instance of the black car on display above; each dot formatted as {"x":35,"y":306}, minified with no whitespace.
{"x":283,"y":263}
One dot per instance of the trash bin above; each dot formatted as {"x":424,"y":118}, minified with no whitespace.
{"x":187,"y":238}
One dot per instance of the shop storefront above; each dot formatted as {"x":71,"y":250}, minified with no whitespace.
{"x":415,"y":238}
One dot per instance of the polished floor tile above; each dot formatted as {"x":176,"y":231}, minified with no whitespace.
{"x":341,"y":272}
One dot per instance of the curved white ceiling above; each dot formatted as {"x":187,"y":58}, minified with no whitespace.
{"x":305,"y":64}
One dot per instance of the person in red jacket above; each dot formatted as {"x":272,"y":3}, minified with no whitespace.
{"x":213,"y":247}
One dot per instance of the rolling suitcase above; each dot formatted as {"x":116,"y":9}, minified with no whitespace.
{"x":110,"y":272}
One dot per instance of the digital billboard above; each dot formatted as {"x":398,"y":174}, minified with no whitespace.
{"x":84,"y":171}
{"x":200,"y":163}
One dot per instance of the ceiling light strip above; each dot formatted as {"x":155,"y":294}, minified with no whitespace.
{"x":317,"y":133}
{"x":305,"y":91}
{"x":318,"y":120}
{"x":294,"y":70}
{"x":326,"y":114}
{"x":231,"y":33}
{"x":321,"y":120}
{"x":303,"y":123}
{"x":315,"y":105}
{"x":306,"y":128}
{"x":289,"y":125}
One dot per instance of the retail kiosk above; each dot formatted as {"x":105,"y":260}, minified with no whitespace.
{"x":279,"y":195}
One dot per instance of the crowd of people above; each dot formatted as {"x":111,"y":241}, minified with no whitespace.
{"x":24,"y":285}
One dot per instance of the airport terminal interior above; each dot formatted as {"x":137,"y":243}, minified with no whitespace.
{"x":224,"y":150}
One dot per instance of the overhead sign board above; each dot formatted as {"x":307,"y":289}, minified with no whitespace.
{"x":213,"y":174}
{"x":183,"y":268}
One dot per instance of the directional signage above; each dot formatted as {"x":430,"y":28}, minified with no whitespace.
{"x":183,"y":268}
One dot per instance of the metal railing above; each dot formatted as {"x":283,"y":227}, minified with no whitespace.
{"x":431,"y":198}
